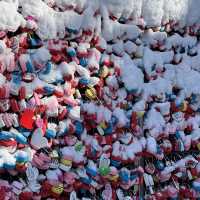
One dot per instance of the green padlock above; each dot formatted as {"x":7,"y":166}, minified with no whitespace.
{"x":78,"y":146}
{"x":104,"y":171}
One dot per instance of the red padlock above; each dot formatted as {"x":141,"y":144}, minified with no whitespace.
{"x":56,"y":58}
{"x":63,"y":114}
{"x":2,"y":92}
{"x":25,"y":195}
{"x":14,"y":105}
{"x":22,"y":93}
{"x":39,"y":90}
{"x":58,"y":93}
{"x":8,"y":143}
{"x":133,"y":120}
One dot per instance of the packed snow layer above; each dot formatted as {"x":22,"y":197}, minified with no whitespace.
{"x":10,"y":19}
{"x":86,"y":15}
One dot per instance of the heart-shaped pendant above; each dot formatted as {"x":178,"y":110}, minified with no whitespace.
{"x":26,"y":119}
{"x":37,"y":140}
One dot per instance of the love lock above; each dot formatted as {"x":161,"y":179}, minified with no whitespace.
{"x":58,"y":189}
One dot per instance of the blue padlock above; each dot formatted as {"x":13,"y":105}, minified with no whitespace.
{"x":124,"y":176}
{"x":63,"y":132}
{"x":5,"y":135}
{"x":22,"y":157}
{"x":84,"y":81}
{"x":178,"y":102}
{"x":196,"y":186}
{"x":159,"y":150}
{"x":78,"y":127}
{"x":26,"y":133}
{"x":29,"y":67}
{"x":133,"y":177}
{"x":50,"y":133}
{"x":85,"y":180}
{"x":16,"y":78}
{"x":35,"y":43}
{"x":177,"y":134}
{"x":71,"y":52}
{"x":91,"y":171}
{"x":83,"y":62}
{"x":69,"y":107}
{"x":9,"y":165}
{"x":93,"y":152}
{"x":47,"y":68}
{"x":20,"y":138}
{"x":48,"y":90}
{"x":114,"y":120}
{"x":109,"y":129}
{"x":115,"y":163}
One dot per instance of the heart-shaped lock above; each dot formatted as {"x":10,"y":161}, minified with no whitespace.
{"x":37,"y":140}
{"x":27,"y":119}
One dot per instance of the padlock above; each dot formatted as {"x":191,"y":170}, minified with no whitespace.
{"x":14,"y":105}
{"x":58,"y":189}
{"x":90,"y":93}
{"x":66,"y":162}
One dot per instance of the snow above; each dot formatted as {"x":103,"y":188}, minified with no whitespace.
{"x":142,"y":64}
{"x":131,"y":75}
{"x":10,"y":19}
{"x":52,"y":23}
{"x":152,"y":58}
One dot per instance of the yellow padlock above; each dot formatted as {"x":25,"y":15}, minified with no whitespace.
{"x":104,"y":72}
{"x":140,"y":114}
{"x":66,"y":162}
{"x":184,"y":106}
{"x":57,"y":189}
{"x":103,"y":125}
{"x":113,"y":178}
{"x":54,"y":154}
{"x":90,"y":93}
